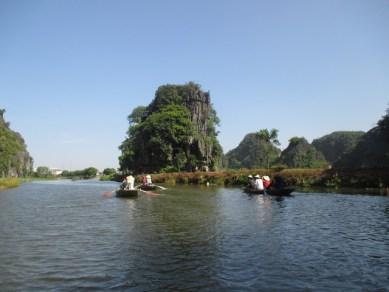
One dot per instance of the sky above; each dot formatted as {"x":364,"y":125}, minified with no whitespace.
{"x":72,"y":71}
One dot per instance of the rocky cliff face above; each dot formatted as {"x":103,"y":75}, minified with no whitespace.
{"x":199,"y":105}
{"x":203,"y":144}
{"x":14,"y":157}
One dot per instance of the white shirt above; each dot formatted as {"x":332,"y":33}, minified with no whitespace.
{"x":130,"y":181}
{"x":259,"y":184}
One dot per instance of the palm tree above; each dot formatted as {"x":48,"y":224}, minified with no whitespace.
{"x":271,"y":138}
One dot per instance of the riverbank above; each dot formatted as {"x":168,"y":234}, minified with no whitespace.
{"x":329,"y":178}
{"x":6,"y":183}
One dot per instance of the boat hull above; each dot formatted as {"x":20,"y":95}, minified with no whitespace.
{"x":126,"y":193}
{"x":271,"y":191}
{"x":148,"y":187}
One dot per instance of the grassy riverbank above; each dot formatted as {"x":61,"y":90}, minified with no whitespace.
{"x":6,"y":183}
{"x":367,"y":178}
{"x":303,"y":177}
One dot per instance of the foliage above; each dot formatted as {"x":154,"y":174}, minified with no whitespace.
{"x":109,"y":171}
{"x":10,"y":182}
{"x":298,"y":177}
{"x":301,"y":177}
{"x":14,"y":158}
{"x":137,"y":115}
{"x":256,"y":150}
{"x":86,"y":173}
{"x":383,"y":123}
{"x":269,"y":137}
{"x":90,"y":172}
{"x":171,"y":134}
{"x":336,"y":144}
{"x":43,"y":171}
{"x":300,"y":154}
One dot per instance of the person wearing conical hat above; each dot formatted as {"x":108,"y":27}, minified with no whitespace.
{"x":130,"y":182}
{"x":266,"y":181}
{"x":250,"y":183}
{"x":258,"y":183}
{"x":148,"y":179}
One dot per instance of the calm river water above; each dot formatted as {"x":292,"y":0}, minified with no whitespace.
{"x":66,"y":236}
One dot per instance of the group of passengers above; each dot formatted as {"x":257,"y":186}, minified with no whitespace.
{"x":262,"y":183}
{"x":147,"y":180}
{"x":128,"y":182}
{"x":259,"y":183}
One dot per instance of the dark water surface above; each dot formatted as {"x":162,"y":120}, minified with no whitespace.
{"x":66,"y":236}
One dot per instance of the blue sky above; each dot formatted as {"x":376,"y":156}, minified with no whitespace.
{"x":71,"y":71}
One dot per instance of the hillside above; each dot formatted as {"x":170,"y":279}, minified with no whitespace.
{"x":335,"y":145}
{"x":301,"y":154}
{"x":254,"y":151}
{"x":372,"y":151}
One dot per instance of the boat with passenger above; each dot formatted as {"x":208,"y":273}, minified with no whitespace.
{"x":126,"y":193}
{"x":286,"y":191}
{"x":148,"y":187}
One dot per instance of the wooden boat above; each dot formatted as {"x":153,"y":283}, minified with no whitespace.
{"x":148,"y":187}
{"x":126,"y":193}
{"x":286,"y":191}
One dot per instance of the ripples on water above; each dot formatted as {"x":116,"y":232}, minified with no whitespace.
{"x":66,"y":236}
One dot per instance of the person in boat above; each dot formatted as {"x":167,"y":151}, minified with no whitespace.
{"x":250,"y":183}
{"x":148,"y":180}
{"x":279,"y":182}
{"x":130,"y":182}
{"x":124,"y":184}
{"x":266,"y":181}
{"x":144,"y":180}
{"x":258,"y":183}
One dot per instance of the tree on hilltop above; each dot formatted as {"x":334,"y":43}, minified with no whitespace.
{"x":256,"y":150}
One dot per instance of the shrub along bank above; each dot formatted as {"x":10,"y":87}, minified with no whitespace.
{"x":362,"y":178}
{"x":6,"y":183}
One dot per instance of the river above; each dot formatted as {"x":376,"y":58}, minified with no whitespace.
{"x":66,"y":236}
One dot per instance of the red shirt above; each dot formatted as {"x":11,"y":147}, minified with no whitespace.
{"x":266,"y":183}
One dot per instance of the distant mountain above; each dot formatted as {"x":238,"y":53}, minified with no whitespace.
{"x":255,"y":151}
{"x":14,"y":157}
{"x":301,"y":154}
{"x":372,"y":151}
{"x":336,"y":144}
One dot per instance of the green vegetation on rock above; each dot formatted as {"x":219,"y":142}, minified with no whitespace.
{"x":301,"y":154}
{"x":257,"y":150}
{"x":177,"y":131}
{"x":335,"y":145}
{"x":14,"y":158}
{"x":372,"y":151}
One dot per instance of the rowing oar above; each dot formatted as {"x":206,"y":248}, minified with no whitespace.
{"x":162,"y":188}
{"x":148,"y":192}
{"x":108,"y":194}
